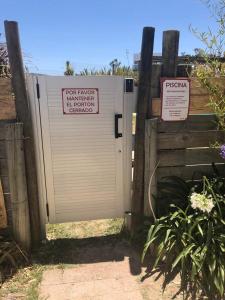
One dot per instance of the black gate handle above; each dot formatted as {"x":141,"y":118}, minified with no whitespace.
{"x":117,"y":117}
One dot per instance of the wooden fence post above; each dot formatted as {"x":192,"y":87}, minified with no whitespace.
{"x":18,"y":184}
{"x":169,"y":68}
{"x":155,"y":88}
{"x":170,"y":49}
{"x":143,"y":108}
{"x":150,"y":165}
{"x":24,"y":116}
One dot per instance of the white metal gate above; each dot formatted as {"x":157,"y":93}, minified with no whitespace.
{"x":84,"y":160}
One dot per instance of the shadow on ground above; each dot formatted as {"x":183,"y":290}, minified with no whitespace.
{"x":72,"y":251}
{"x":110,"y":248}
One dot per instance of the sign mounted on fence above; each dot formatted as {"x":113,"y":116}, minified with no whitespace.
{"x":175,"y":98}
{"x":80,"y":101}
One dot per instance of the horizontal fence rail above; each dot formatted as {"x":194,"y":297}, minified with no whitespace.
{"x":186,"y":149}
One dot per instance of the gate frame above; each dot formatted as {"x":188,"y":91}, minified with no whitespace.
{"x":129,"y":104}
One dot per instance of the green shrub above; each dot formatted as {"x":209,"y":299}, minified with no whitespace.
{"x":175,"y":190}
{"x":191,"y":241}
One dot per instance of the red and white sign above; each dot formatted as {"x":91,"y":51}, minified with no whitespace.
{"x":80,"y":100}
{"x":175,"y":98}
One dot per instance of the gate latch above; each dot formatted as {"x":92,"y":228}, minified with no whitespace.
{"x":117,"y":117}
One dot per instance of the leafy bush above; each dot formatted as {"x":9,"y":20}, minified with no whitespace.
{"x":175,"y":190}
{"x":191,"y":241}
{"x":211,"y":73}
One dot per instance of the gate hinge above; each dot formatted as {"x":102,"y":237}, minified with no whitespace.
{"x":47,"y":209}
{"x":38,"y":90}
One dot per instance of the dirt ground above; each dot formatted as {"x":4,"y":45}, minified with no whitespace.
{"x":88,"y":260}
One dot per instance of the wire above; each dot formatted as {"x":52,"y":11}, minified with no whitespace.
{"x":149,"y":191}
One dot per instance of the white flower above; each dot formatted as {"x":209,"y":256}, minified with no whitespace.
{"x":202,"y":202}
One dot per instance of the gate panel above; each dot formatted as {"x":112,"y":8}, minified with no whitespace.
{"x":83,"y":162}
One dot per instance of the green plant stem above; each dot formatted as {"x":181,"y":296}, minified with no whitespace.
{"x":213,"y":194}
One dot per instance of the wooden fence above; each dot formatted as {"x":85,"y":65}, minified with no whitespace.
{"x":4,"y":173}
{"x":12,"y":168}
{"x":179,"y":148}
{"x":185,"y":149}
{"x":7,"y":101}
{"x":7,"y":114}
{"x":171,"y":148}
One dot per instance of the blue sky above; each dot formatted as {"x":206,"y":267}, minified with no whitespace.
{"x":92,"y":33}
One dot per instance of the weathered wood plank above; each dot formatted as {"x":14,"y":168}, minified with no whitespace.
{"x":155,"y":86}
{"x":2,"y":127}
{"x":195,"y":156}
{"x":190,"y":139}
{"x":17,"y":183}
{"x":184,"y":70}
{"x":7,"y":102}
{"x":195,"y":84}
{"x":4,"y":177}
{"x":189,"y":172}
{"x":5,"y":86}
{"x":193,"y":123}
{"x":170,"y":49}
{"x":199,"y":105}
{"x":24,"y":115}
{"x":196,"y":88}
{"x":3,"y":122}
{"x":3,"y":216}
{"x":8,"y":206}
{"x":2,"y":149}
{"x":5,"y":184}
{"x":2,"y":134}
{"x":3,"y":167}
{"x":7,"y":111}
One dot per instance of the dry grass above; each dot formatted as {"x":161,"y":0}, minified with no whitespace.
{"x":84,"y":229}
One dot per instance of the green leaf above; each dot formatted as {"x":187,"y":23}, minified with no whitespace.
{"x":167,"y":235}
{"x":146,"y":247}
{"x":200,"y":230}
{"x":222,"y":247}
{"x":159,"y":255}
{"x":212,"y":264}
{"x":219,"y":282}
{"x":154,"y":229}
{"x":183,"y":254}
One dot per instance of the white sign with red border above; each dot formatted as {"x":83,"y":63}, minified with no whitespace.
{"x":175,"y":99}
{"x":80,"y":101}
